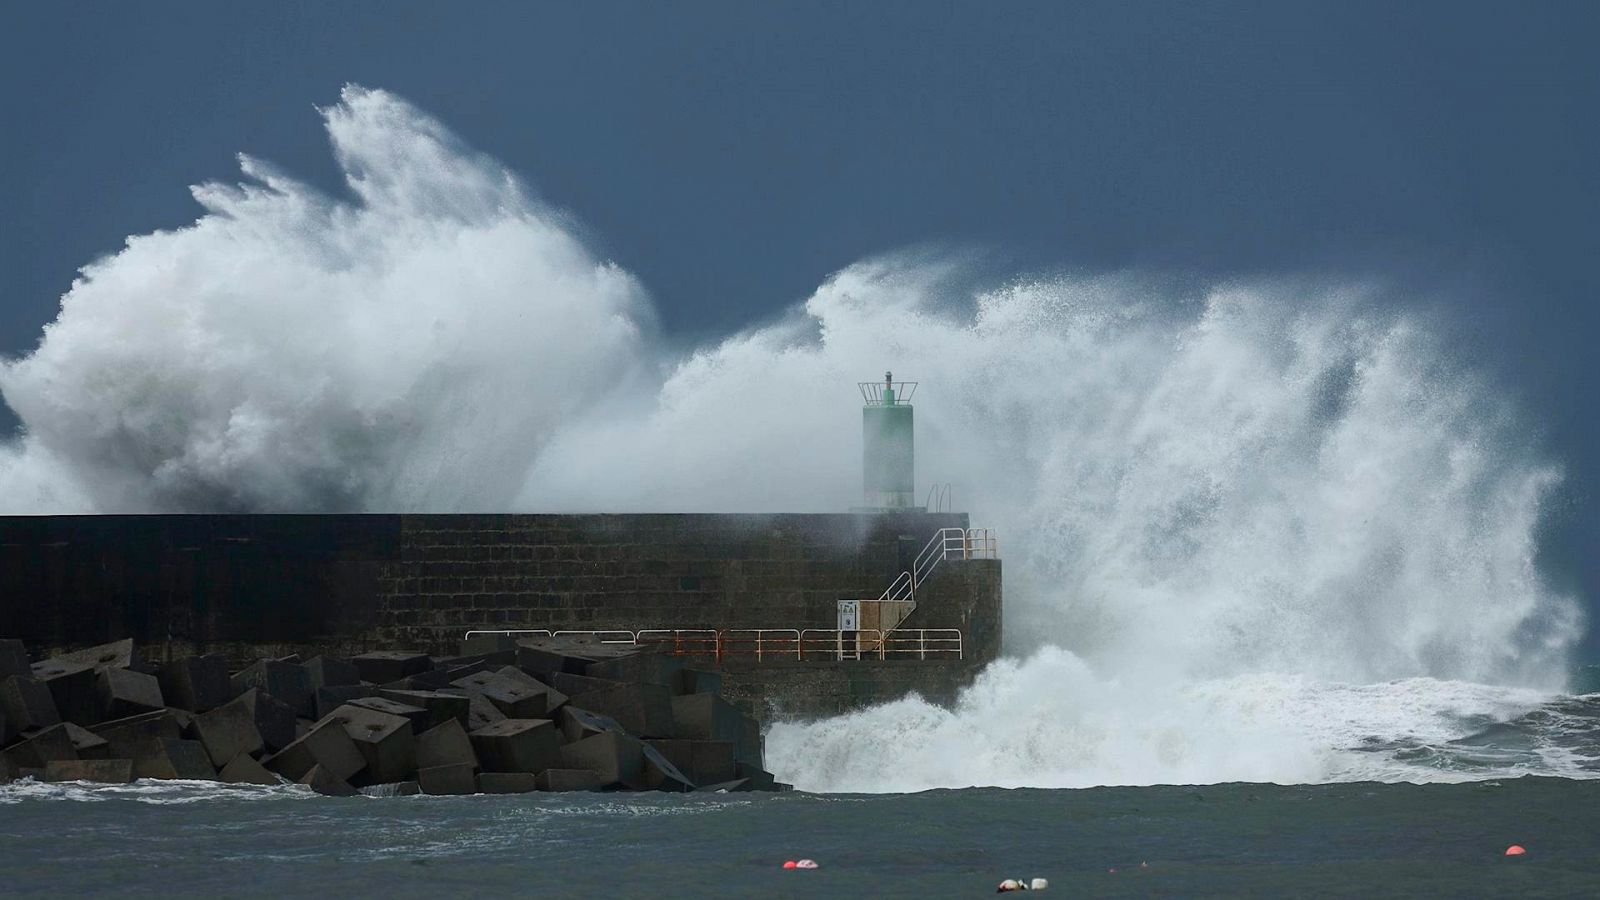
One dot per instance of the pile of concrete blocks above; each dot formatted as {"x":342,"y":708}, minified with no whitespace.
{"x":504,"y":717}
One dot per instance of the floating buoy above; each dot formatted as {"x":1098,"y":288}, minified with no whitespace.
{"x":1515,"y":850}
{"x":806,"y":864}
{"x":790,"y":864}
{"x":1040,"y":884}
{"x":1010,"y":884}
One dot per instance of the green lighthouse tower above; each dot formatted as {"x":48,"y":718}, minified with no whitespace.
{"x":888,"y":451}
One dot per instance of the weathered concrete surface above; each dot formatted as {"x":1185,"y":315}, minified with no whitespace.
{"x":242,"y":769}
{"x":517,"y":745}
{"x":289,"y":683}
{"x":453,"y":779}
{"x":196,"y":683}
{"x":445,"y":744}
{"x":439,"y":707}
{"x":123,"y":692}
{"x":327,"y":745}
{"x":645,"y":710}
{"x":27,"y":703}
{"x":324,"y":782}
{"x":386,"y":742}
{"x":105,"y":771}
{"x":229,"y":730}
{"x":175,"y":759}
{"x":569,"y":780}
{"x":507,"y":782}
{"x":617,"y":759}
{"x":50,"y":744}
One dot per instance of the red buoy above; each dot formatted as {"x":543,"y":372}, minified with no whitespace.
{"x":789,"y":864}
{"x":1515,"y":850}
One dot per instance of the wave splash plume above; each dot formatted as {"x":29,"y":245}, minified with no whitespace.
{"x":1251,"y":531}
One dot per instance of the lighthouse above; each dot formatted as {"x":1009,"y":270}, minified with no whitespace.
{"x":888,"y":449}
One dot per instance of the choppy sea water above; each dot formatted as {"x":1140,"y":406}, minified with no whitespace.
{"x":1336,"y":840}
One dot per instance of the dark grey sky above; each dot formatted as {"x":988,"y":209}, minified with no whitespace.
{"x":733,"y":154}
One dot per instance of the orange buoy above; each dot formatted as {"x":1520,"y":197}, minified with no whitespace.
{"x":789,"y":864}
{"x":1515,"y":850}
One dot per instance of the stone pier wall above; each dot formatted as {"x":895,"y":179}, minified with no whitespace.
{"x":248,"y":586}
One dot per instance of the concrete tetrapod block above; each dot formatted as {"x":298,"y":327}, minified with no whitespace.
{"x":422,"y":681}
{"x":329,"y":699}
{"x":569,"y":780}
{"x":513,"y":698}
{"x":707,"y":717}
{"x":384,"y":666}
{"x":27,"y":703}
{"x":243,"y":769}
{"x":72,"y":688}
{"x":440,"y":706}
{"x":105,"y":771}
{"x":577,"y":685}
{"x":115,"y":655}
{"x":326,"y":783}
{"x":275,"y":719}
{"x":661,"y":775}
{"x":445,"y":744}
{"x":288,"y":683}
{"x":757,"y":779}
{"x":494,"y":660}
{"x":699,"y":681}
{"x":229,"y":730}
{"x":330,"y":671}
{"x":543,"y":659}
{"x":481,"y":712}
{"x":553,"y":699}
{"x":421,"y":720}
{"x":650,"y":666}
{"x":447,"y":780}
{"x":386,"y":742}
{"x":88,"y":744}
{"x":711,"y":762}
{"x":35,"y":751}
{"x":175,"y":760}
{"x":517,"y":745}
{"x":644,"y":709}
{"x":327,"y":745}
{"x":578,"y":723}
{"x":124,"y":692}
{"x":139,"y":736}
{"x":196,"y":683}
{"x":615,"y":758}
{"x":507,"y":783}
{"x":14,"y":659}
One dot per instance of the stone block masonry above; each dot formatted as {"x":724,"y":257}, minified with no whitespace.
{"x":249,"y":587}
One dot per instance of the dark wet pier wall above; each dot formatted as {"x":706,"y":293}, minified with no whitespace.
{"x":275,"y":584}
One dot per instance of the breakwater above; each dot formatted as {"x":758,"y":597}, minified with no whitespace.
{"x":539,"y":715}
{"x":245,"y":587}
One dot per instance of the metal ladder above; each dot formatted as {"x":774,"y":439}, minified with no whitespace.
{"x":947,"y":543}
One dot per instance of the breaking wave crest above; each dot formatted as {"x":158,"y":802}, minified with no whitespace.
{"x":1245,"y":526}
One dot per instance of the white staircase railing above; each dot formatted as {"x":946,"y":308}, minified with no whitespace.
{"x":947,"y":543}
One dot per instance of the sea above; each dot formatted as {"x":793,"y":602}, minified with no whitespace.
{"x":195,"y":839}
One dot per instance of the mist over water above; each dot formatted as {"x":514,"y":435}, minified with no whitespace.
{"x":1246,"y":527}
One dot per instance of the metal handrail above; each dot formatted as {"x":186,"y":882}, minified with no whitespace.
{"x":684,"y":641}
{"x":606,"y":636}
{"x":767,"y":641}
{"x":832,"y":643}
{"x":942,"y":640}
{"x":827,"y":643}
